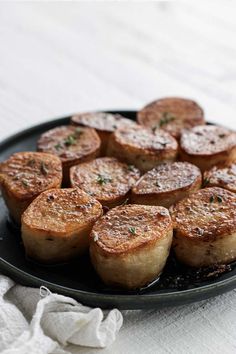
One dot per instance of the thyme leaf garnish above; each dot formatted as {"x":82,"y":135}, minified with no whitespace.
{"x":166,"y":118}
{"x":58,"y":146}
{"x":103,"y":179}
{"x":31,"y":163}
{"x":43,"y":168}
{"x":70,"y":140}
{"x":131,"y":168}
{"x":206,"y":181}
{"x":24,"y":182}
{"x":132,"y":230}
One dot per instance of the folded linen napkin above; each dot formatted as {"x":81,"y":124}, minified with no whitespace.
{"x":40,"y":322}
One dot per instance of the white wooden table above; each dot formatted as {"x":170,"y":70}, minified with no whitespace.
{"x":59,"y":58}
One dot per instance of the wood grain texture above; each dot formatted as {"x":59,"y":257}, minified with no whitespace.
{"x":63,"y":57}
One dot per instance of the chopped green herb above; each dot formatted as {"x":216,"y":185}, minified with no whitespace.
{"x":211,"y":199}
{"x":90,"y":193}
{"x":103,"y":179}
{"x":154,"y":128}
{"x":58,"y":146}
{"x":131,"y":168}
{"x":157,"y":184}
{"x":24,"y":182}
{"x":125,"y":202}
{"x":43,"y":169}
{"x":31,"y":163}
{"x":206,"y":181}
{"x":221,"y":136}
{"x":70,"y":140}
{"x":166,"y":118}
{"x":78,"y":130}
{"x":219,"y":199}
{"x":132,"y":230}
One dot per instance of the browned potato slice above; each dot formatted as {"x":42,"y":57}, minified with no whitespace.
{"x":166,"y":184}
{"x":171,"y":114}
{"x":56,"y":225}
{"x":223,"y":175}
{"x":106,"y":179}
{"x":72,"y":144}
{"x":104,"y":123}
{"x":206,"y":146}
{"x":130,"y":245}
{"x":24,"y":176}
{"x":205,"y":227}
{"x":142,"y":147}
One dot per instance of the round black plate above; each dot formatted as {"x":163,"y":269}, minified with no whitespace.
{"x":177,"y":285}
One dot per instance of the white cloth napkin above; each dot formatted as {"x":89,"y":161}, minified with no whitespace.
{"x":35,"y":321}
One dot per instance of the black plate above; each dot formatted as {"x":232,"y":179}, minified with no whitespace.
{"x":177,"y":285}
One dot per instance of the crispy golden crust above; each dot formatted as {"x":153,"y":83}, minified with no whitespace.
{"x":130,"y":245}
{"x":126,"y":228}
{"x":24,"y":176}
{"x":166,"y":184}
{"x":206,"y":146}
{"x":27,"y":174}
{"x":72,"y":144}
{"x":57,"y":224}
{"x":106,"y":179}
{"x":206,"y":215}
{"x":171,"y":114}
{"x":142,"y":147}
{"x":61,"y":211}
{"x":101,"y":121}
{"x":223,"y":175}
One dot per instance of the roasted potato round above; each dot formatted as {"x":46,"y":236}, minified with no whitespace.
{"x":24,"y":176}
{"x":205,"y":228}
{"x":130,"y":245}
{"x":142,"y":147}
{"x":106,"y":179}
{"x":223,"y":175}
{"x":166,"y":184}
{"x":171,"y":114}
{"x":72,"y":144}
{"x":56,"y":225}
{"x":104,"y":123}
{"x":206,"y":146}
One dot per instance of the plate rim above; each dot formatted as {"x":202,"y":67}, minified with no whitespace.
{"x":138,"y":301}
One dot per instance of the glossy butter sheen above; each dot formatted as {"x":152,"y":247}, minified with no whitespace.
{"x":206,"y":214}
{"x":26,"y":174}
{"x":60,"y":211}
{"x":113,"y":232}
